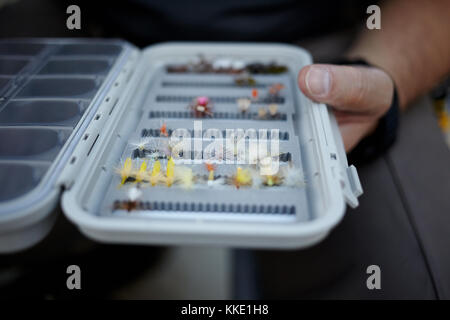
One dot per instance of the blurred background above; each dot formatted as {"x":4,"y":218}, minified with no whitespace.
{"x":138,"y":272}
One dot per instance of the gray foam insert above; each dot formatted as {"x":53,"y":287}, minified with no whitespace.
{"x":167,"y":103}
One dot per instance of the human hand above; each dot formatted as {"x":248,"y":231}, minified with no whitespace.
{"x":358,"y":95}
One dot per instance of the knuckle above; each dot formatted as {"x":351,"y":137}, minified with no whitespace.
{"x":352,"y":88}
{"x":359,"y":88}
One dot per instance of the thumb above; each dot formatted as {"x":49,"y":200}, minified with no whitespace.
{"x":348,"y":88}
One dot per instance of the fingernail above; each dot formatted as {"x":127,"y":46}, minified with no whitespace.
{"x":318,"y":81}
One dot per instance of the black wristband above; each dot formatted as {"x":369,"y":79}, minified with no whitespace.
{"x":374,"y":145}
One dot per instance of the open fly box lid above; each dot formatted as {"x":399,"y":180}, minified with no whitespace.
{"x":50,"y":90}
{"x":139,"y":95}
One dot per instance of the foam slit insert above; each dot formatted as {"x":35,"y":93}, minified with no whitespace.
{"x":215,"y":99}
{"x":167,"y":106}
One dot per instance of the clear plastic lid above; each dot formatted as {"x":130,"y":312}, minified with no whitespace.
{"x":48,"y":89}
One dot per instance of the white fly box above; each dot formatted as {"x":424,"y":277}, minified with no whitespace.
{"x":178,"y":143}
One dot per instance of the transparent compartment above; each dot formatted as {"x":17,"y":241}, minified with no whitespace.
{"x":76,"y":67}
{"x":59,"y":87}
{"x":12,"y":66}
{"x":20,"y":48}
{"x":31,"y":143}
{"x":42,"y":112}
{"x":37,"y":115}
{"x":18,"y":179}
{"x":90,"y":49}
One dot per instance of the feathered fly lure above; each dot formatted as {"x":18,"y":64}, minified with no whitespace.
{"x":212,"y":179}
{"x":151,"y":148}
{"x":156,"y":175}
{"x":163,"y":130}
{"x":210,"y":168}
{"x":201,"y":107}
{"x":275,"y":89}
{"x":292,"y":177}
{"x":244,"y":79}
{"x":184,"y":176}
{"x":270,"y":174}
{"x":132,"y":202}
{"x":125,"y":171}
{"x":141,"y":175}
{"x":141,"y":144}
{"x":269,"y":113}
{"x":243,"y":104}
{"x":241,"y":178}
{"x":170,"y":172}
